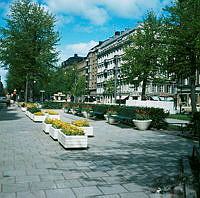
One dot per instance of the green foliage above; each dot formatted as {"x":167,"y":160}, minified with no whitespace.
{"x":109,"y":87}
{"x":142,"y":115}
{"x":182,"y":41}
{"x":155,"y":114}
{"x":27,"y":45}
{"x":52,"y":105}
{"x":179,"y":116}
{"x":141,"y":58}
{"x":33,"y":109}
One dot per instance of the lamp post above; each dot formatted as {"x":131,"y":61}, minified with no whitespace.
{"x":116,"y":59}
{"x":42,"y":91}
{"x":120,"y":87}
{"x":34,"y":90}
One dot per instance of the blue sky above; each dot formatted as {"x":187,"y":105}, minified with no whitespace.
{"x":82,"y":23}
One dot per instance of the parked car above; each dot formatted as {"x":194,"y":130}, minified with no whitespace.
{"x":3,"y":99}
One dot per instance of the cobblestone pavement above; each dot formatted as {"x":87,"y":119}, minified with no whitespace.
{"x":120,"y":161}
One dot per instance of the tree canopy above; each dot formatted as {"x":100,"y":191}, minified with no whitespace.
{"x":182,"y":38}
{"x":141,"y":58}
{"x":28,"y":41}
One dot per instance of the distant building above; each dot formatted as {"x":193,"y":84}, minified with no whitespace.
{"x":91,"y":65}
{"x":109,"y":58}
{"x":72,"y":60}
{"x":183,"y":92}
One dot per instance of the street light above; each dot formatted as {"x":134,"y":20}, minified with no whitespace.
{"x":42,"y":91}
{"x":116,"y":60}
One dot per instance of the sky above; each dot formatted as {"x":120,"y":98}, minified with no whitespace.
{"x":83,"y":23}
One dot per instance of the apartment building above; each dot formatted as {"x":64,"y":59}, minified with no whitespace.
{"x":91,"y":65}
{"x":109,"y":61}
{"x":183,"y":91}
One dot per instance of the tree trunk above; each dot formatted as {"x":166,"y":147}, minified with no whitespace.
{"x":26,"y":91}
{"x":192,"y":91}
{"x":144,"y":84}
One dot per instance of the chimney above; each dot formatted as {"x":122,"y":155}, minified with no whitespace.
{"x":117,"y":33}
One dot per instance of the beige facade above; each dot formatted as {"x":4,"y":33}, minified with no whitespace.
{"x":109,"y":60}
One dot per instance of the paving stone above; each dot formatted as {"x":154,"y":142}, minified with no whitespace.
{"x":60,"y":193}
{"x":7,"y":195}
{"x":38,"y":194}
{"x":15,"y":187}
{"x":108,"y":196}
{"x":115,"y":180}
{"x":92,"y":181}
{"x":11,"y":173}
{"x":22,"y":179}
{"x":51,"y":177}
{"x":132,"y":187}
{"x":74,"y":175}
{"x":111,"y":189}
{"x":68,"y":183}
{"x":122,"y":153}
{"x":83,"y":192}
{"x":134,"y":195}
{"x":45,"y":165}
{"x":42,"y":185}
{"x":96,"y":174}
{"x":37,"y":171}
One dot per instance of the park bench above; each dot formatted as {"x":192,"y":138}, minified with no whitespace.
{"x":96,"y":113}
{"x":121,"y":117}
{"x":182,"y":125}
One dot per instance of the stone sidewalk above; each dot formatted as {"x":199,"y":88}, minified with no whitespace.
{"x":120,"y":161}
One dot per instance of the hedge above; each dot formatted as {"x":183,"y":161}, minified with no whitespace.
{"x":156,"y":114}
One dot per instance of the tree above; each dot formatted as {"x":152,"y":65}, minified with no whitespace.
{"x":182,"y":38}
{"x":109,"y":88}
{"x":27,"y":44}
{"x":141,"y":58}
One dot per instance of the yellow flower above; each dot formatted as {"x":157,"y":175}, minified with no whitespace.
{"x":39,"y":114}
{"x":81,"y":123}
{"x":50,"y":112}
{"x":72,"y":130}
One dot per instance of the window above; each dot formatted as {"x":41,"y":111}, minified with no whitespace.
{"x":169,"y":89}
{"x":161,"y":88}
{"x":153,"y":88}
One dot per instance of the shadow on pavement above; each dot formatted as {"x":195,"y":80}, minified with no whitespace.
{"x":139,"y":163}
{"x":5,"y":113}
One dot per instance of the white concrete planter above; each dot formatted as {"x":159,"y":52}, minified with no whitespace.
{"x":46,"y":127}
{"x":87,"y":130}
{"x":31,"y":115}
{"x":112,"y":120}
{"x":23,"y":109}
{"x":79,"y":141}
{"x":86,"y":114}
{"x":26,"y":113}
{"x":142,"y":124}
{"x":38,"y":118}
{"x":106,"y":117}
{"x":54,"y":132}
{"x":53,"y":116}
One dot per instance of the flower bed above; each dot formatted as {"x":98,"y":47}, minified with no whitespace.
{"x":38,"y":117}
{"x":72,"y":137}
{"x":84,"y":124}
{"x":52,"y":114}
{"x":57,"y":125}
{"x":47,"y":124}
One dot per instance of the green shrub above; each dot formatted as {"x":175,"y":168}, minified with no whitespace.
{"x":53,"y":105}
{"x":33,"y":109}
{"x":157,"y":115}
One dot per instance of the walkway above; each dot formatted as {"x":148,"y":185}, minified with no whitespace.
{"x":120,"y":161}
